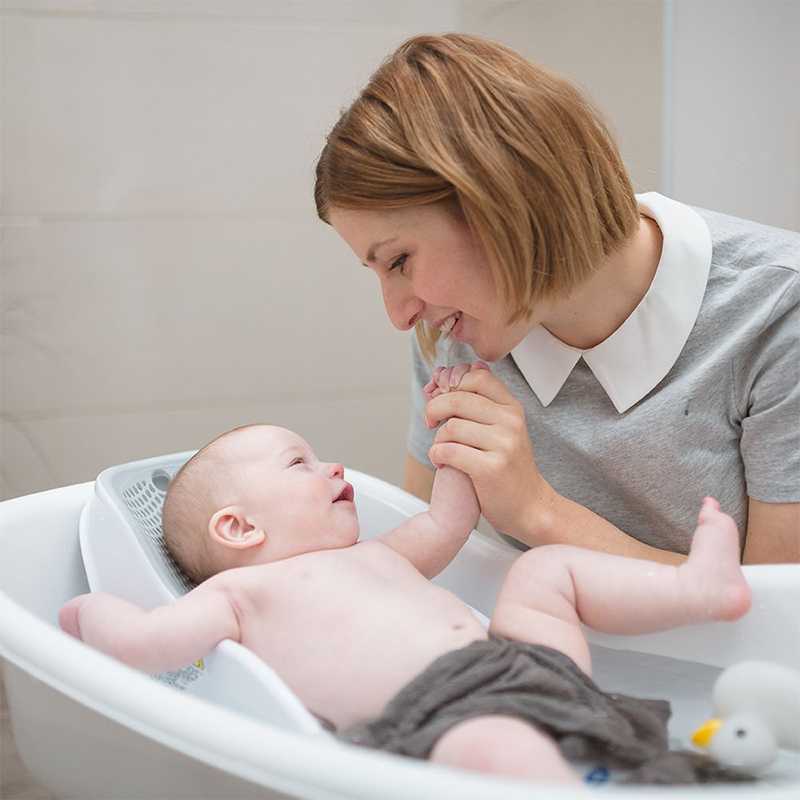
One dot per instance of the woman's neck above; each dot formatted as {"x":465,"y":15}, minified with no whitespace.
{"x":596,"y":308}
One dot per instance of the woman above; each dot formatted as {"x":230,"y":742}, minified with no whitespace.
{"x":643,"y":353}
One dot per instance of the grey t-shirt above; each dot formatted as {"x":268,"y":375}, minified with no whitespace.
{"x":724,"y":421}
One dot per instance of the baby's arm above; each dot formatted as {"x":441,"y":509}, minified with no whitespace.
{"x":432,"y":539}
{"x":166,"y":638}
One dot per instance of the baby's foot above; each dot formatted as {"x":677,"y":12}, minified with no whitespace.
{"x":712,"y":574}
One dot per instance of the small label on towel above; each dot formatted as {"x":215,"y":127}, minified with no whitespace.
{"x":183,"y":678}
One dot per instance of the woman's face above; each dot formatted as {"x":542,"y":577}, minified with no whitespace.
{"x":432,"y":268}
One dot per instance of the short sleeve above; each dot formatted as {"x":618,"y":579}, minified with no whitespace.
{"x":769,"y":396}
{"x":420,"y":437}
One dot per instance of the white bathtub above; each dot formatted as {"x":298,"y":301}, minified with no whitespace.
{"x":90,"y":728}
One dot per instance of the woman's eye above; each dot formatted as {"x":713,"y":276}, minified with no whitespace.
{"x":399,"y":263}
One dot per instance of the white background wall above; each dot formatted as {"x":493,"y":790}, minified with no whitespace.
{"x":735,"y":107}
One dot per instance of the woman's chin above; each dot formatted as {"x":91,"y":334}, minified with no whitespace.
{"x":487,"y":352}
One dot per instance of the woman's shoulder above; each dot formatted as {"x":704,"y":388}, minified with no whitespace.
{"x":742,"y":244}
{"x":754,"y":278}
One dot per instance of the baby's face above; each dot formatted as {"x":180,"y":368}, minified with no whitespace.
{"x":302,"y":504}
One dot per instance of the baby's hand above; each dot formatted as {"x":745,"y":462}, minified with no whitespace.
{"x":448,"y":379}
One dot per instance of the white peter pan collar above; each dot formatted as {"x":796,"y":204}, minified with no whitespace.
{"x":635,"y":358}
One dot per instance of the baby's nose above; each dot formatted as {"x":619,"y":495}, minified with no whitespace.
{"x":336,"y":470}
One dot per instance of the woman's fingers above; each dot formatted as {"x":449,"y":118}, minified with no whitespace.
{"x":481,"y":381}
{"x":467,"y":459}
{"x":466,"y":432}
{"x":461,"y":404}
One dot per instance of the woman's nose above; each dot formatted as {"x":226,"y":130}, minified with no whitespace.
{"x":402,"y":307}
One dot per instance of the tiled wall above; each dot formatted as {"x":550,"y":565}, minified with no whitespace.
{"x":163,"y":272}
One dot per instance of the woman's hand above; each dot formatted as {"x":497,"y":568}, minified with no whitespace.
{"x":485,"y":435}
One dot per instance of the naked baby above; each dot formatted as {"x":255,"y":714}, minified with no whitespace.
{"x":368,"y":642}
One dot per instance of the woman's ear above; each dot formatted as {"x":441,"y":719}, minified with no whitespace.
{"x":229,"y":527}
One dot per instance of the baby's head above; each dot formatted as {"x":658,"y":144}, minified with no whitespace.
{"x":253,"y":495}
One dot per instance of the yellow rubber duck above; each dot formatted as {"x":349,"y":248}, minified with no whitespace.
{"x":757,"y":712}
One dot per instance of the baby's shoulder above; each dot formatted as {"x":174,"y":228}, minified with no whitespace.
{"x":241,"y":580}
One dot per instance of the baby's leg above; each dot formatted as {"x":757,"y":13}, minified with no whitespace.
{"x":502,"y":745}
{"x":550,"y":590}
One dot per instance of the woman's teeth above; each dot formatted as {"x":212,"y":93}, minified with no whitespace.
{"x":450,"y":323}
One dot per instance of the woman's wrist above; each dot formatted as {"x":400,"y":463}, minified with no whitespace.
{"x":538,"y":520}
{"x":550,"y":518}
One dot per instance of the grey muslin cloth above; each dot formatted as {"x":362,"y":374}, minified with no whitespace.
{"x":545,"y":688}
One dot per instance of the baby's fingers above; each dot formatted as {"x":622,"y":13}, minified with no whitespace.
{"x":441,"y":377}
{"x":431,"y":388}
{"x":456,"y":374}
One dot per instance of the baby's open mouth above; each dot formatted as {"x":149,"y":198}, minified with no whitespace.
{"x":346,"y":494}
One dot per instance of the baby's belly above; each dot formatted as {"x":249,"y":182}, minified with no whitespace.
{"x":346,"y":661}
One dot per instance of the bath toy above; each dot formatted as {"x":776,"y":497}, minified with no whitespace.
{"x":757,"y":712}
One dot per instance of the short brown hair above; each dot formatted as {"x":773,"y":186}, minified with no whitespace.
{"x":518,"y":150}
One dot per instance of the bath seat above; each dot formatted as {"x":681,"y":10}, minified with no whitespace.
{"x":89,"y":727}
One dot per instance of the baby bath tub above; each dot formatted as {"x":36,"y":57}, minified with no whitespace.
{"x":89,"y":727}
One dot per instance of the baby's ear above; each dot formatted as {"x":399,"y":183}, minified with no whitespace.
{"x":229,"y":527}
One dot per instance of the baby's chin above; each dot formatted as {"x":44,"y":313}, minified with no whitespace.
{"x":352,"y":535}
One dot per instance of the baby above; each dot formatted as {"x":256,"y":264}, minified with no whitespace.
{"x":368,"y":642}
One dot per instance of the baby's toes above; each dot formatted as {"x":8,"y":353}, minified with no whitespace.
{"x":709,"y":511}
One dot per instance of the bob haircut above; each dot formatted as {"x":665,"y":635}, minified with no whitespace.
{"x":515,"y":149}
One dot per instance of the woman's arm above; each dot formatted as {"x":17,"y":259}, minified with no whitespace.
{"x":485,"y":436}
{"x":581,"y":526}
{"x":773,"y":533}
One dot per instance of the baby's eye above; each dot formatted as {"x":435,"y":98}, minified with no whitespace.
{"x":297,"y":460}
{"x":399,"y":263}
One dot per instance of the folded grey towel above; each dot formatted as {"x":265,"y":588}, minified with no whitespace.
{"x":543,"y":687}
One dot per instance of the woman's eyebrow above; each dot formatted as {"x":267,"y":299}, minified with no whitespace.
{"x":376,"y":246}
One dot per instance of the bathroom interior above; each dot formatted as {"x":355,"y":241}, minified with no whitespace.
{"x":165,"y":277}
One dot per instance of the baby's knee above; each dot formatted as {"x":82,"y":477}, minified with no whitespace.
{"x":500,"y":745}
{"x":538,"y":566}
{"x":479,"y":743}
